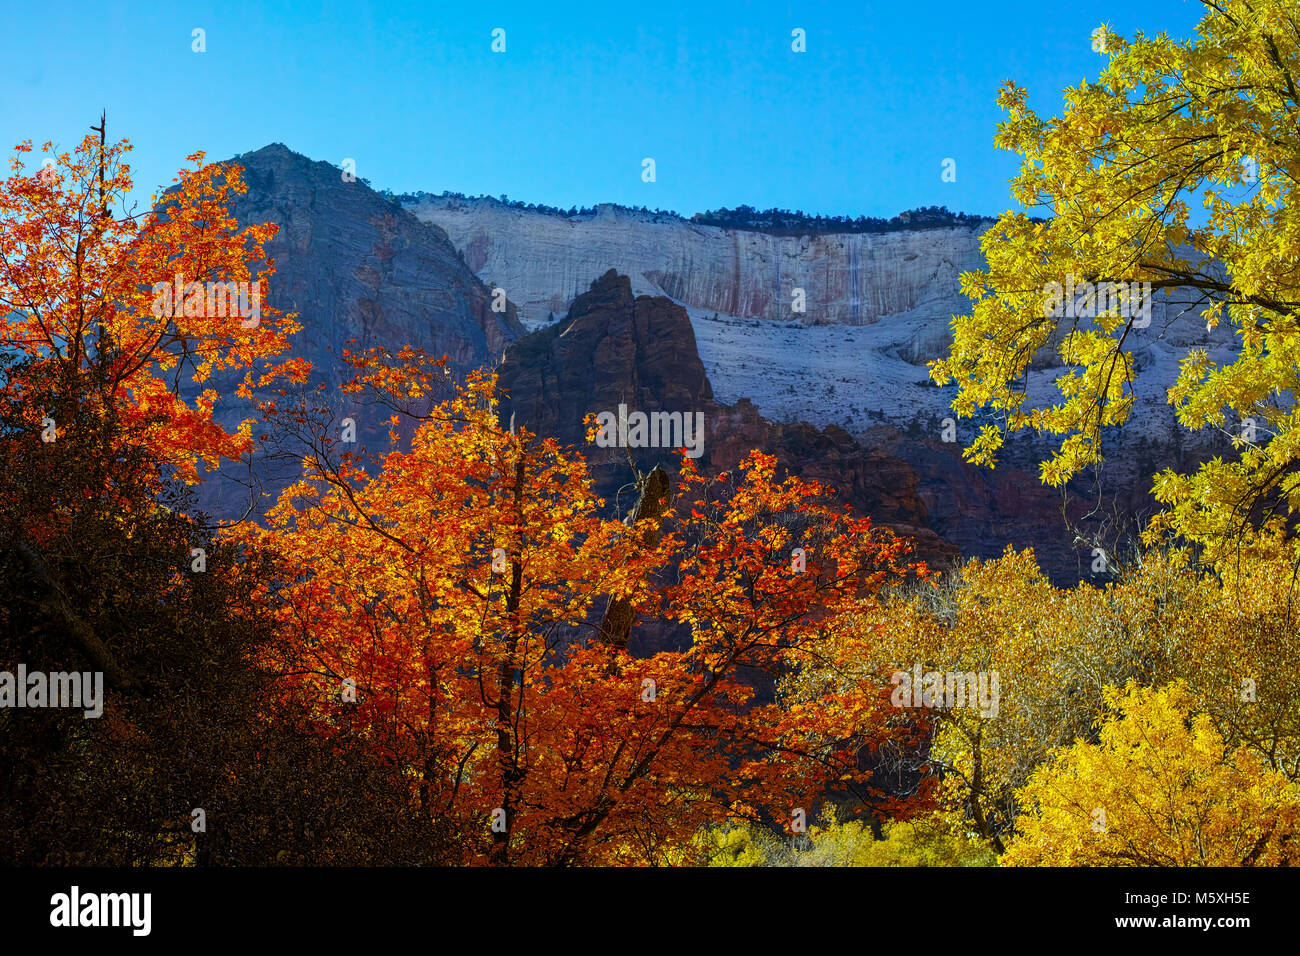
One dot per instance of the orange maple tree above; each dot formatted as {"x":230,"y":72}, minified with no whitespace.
{"x":445,"y":601}
{"x":78,"y":280}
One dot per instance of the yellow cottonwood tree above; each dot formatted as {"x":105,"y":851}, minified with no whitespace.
{"x":1160,"y":788}
{"x":1169,"y":124}
{"x":1053,"y":652}
{"x":1232,"y":641}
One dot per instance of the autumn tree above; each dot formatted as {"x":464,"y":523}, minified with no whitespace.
{"x":1232,"y":640}
{"x":447,"y":598}
{"x":1160,"y":788}
{"x":1168,"y":125}
{"x":1229,"y":642}
{"x":1051,"y":651}
{"x":123,"y":577}
{"x":80,"y":276}
{"x":86,"y":347}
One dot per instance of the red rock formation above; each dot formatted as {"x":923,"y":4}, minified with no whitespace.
{"x":614,"y":348}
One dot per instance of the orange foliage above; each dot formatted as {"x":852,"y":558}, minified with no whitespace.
{"x":459,"y":585}
{"x":77,"y":286}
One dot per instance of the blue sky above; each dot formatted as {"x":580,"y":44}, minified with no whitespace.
{"x":859,"y":124}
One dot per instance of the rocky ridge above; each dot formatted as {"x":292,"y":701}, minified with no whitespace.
{"x":615,"y":348}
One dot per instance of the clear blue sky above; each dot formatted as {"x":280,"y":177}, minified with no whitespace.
{"x":859,"y":124}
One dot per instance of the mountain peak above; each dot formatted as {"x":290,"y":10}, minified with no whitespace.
{"x":275,"y":151}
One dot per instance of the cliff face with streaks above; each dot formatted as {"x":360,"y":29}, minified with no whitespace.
{"x":879,"y":307}
{"x":353,"y":265}
{"x":544,"y":261}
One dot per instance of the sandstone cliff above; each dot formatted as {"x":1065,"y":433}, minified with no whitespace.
{"x":353,"y":265}
{"x":544,"y":261}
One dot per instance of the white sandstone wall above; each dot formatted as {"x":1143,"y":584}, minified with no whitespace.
{"x":543,"y":261}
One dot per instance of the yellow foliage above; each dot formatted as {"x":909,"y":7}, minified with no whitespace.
{"x":929,"y":841}
{"x":1167,"y":123}
{"x":1160,"y":788}
{"x":1232,"y":641}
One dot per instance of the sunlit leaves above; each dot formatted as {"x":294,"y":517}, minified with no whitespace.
{"x":1210,"y":121}
{"x":77,"y":289}
{"x":1159,"y":788}
{"x":461,"y":577}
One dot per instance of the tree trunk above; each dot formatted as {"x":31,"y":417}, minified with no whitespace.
{"x":617,"y":623}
